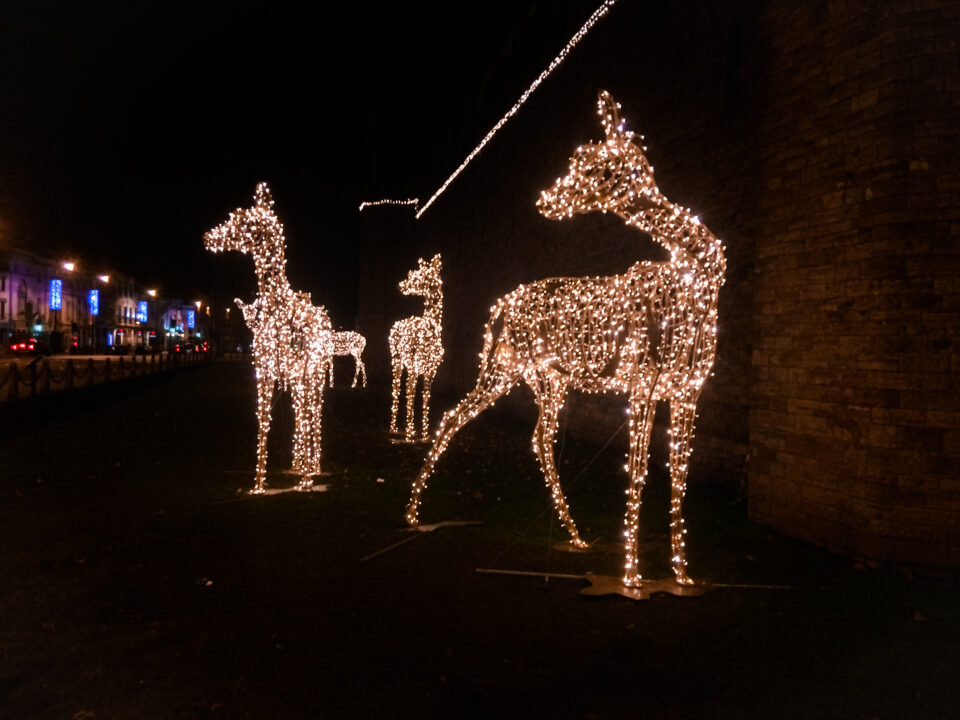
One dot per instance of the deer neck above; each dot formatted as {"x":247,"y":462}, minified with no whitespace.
{"x":689,"y":241}
{"x":271,"y":269}
{"x":432,"y":307}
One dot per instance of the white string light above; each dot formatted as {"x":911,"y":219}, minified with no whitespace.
{"x":416,"y":345}
{"x":650,"y":333}
{"x":597,"y":15}
{"x":346,"y":343}
{"x":377,"y":203}
{"x":292,"y":338}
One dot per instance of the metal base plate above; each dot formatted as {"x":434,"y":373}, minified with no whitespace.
{"x":609,"y":585}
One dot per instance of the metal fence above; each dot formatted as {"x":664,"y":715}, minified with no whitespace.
{"x":40,"y":377}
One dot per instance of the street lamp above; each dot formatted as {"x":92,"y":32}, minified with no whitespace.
{"x":103,"y":278}
{"x":152,"y":292}
{"x":69,"y":266}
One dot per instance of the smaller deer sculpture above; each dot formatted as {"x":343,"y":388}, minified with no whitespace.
{"x":416,"y":345}
{"x":291,"y":336}
{"x":346,"y":343}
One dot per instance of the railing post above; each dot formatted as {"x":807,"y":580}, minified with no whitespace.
{"x":68,"y":375}
{"x":91,"y":373}
{"x":44,"y":372}
{"x":33,"y":379}
{"x":106,"y":370}
{"x":14,"y":392}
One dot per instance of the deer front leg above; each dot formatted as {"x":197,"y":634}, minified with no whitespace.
{"x":410,"y":432}
{"x":550,"y":402}
{"x":682,"y":415}
{"x":397,"y":369}
{"x":361,"y":369}
{"x":488,"y":389}
{"x":425,"y":408}
{"x":641,"y":411}
{"x":265,"y":390}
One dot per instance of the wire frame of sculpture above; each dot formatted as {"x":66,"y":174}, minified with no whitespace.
{"x":649,"y":333}
{"x":291,"y":336}
{"x":346,"y":343}
{"x":416,"y":345}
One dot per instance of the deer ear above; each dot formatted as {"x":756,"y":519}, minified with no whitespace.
{"x":609,"y":112}
{"x":435,"y":261}
{"x":263,"y":197}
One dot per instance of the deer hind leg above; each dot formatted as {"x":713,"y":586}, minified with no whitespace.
{"x":410,"y":431}
{"x":308,"y":410}
{"x":265,"y":391}
{"x":397,"y":368}
{"x":425,"y":408}
{"x":682,"y":415}
{"x":358,"y":368}
{"x":361,"y":370}
{"x":492,"y":383}
{"x":641,"y":423}
{"x":550,"y":399}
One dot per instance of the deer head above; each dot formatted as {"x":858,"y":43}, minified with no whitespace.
{"x":424,"y":279}
{"x":607,"y":175}
{"x":247,"y":228}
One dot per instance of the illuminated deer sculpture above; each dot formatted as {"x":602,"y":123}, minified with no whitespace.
{"x":346,"y":343}
{"x":650,"y":333}
{"x":416,"y":346}
{"x":291,"y":336}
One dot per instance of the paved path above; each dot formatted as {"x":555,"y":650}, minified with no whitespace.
{"x":139,"y":581}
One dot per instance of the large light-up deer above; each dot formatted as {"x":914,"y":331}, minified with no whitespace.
{"x":650,"y":333}
{"x":352,"y":343}
{"x":291,"y":336}
{"x":416,"y":344}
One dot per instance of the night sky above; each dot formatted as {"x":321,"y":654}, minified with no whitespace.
{"x":127,"y":131}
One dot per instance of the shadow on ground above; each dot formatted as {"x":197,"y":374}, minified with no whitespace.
{"x":140,"y":581}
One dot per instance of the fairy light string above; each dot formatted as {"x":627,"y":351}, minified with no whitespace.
{"x":416,"y":345}
{"x":650,"y":333}
{"x":292,"y":338}
{"x":597,"y":15}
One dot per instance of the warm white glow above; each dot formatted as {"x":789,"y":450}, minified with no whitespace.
{"x":650,"y":333}
{"x":152,"y":293}
{"x":103,"y":278}
{"x":69,"y":266}
{"x":291,"y":336}
{"x":352,"y":343}
{"x":416,"y":345}
{"x":377,"y":203}
{"x":198,"y":303}
{"x":561,"y":56}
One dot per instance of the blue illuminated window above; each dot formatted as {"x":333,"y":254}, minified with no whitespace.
{"x":191,"y":319}
{"x":142,"y":311}
{"x":109,"y":339}
{"x":56,"y":294}
{"x":93,"y":300}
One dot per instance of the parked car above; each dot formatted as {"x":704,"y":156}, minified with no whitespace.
{"x":30,"y":347}
{"x":191,"y":347}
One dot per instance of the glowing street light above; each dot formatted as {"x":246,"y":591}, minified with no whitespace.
{"x":103,"y":278}
{"x":69,"y":266}
{"x":151,"y":292}
{"x":198,"y":303}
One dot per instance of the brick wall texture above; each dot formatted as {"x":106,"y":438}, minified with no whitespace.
{"x":820,"y":142}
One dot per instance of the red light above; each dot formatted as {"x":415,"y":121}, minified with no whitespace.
{"x":13,"y":347}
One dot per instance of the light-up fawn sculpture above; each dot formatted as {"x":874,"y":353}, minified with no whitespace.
{"x":291,"y":336}
{"x":416,"y":344}
{"x":650,"y":333}
{"x":346,"y":343}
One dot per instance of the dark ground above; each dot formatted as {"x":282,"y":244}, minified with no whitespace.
{"x":138,"y":583}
